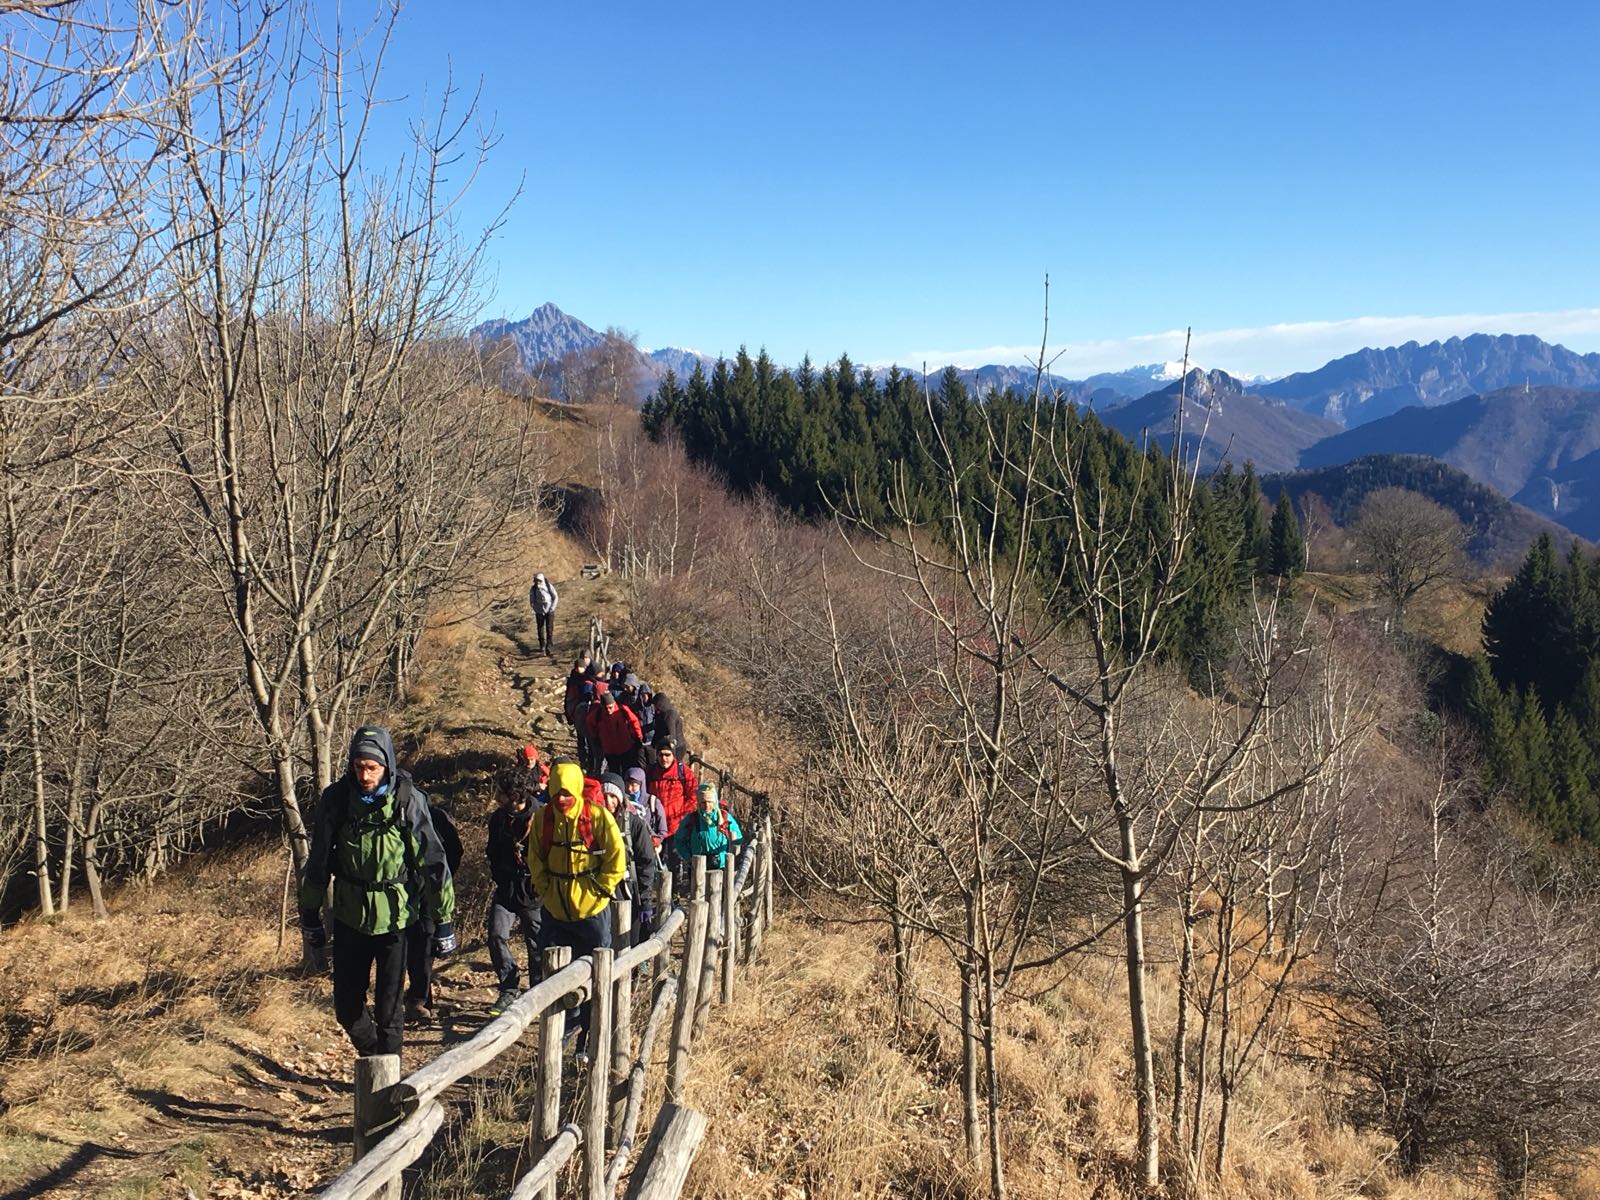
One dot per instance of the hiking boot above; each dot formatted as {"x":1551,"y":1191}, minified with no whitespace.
{"x":506,"y":998}
{"x":418,"y":1013}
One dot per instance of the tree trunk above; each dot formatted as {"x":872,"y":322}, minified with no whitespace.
{"x":91,"y":860}
{"x":991,"y":1068}
{"x":902,"y":956}
{"x":1148,"y":1154}
{"x":971,"y":1117}
{"x":41,"y":812}
{"x":1180,"y":1038}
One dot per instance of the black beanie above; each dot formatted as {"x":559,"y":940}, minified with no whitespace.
{"x":366,"y":745}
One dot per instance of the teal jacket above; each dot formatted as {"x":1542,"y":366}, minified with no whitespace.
{"x":696,"y":836}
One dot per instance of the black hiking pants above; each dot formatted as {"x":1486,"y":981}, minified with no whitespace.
{"x":583,"y":937}
{"x":547,"y":630}
{"x":357,"y":957}
{"x":419,"y":961}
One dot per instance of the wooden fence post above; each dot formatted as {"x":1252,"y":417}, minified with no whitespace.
{"x":730,"y":927}
{"x":663,"y":897}
{"x":671,"y":1149}
{"x":621,"y":1056}
{"x":758,"y":912}
{"x":375,"y":1114}
{"x":697,"y":881}
{"x":597,"y":1103}
{"x":772,"y":849}
{"x":694,"y":948}
{"x":552,"y":1030}
{"x":709,"y":955}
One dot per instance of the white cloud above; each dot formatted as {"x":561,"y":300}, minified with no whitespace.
{"x":1273,"y":350}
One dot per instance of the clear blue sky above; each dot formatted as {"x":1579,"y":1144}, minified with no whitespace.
{"x":895,"y":180}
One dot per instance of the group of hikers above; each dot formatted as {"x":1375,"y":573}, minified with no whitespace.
{"x":568,"y":835}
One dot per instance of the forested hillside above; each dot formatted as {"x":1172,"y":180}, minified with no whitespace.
{"x":840,"y":440}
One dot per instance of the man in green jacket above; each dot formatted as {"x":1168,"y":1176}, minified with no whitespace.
{"x":375,"y":840}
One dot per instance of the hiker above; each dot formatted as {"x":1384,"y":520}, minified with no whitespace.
{"x":673,"y":784}
{"x":588,"y":745}
{"x":576,"y":861}
{"x":619,"y":672}
{"x":710,"y":830}
{"x":614,"y":730}
{"x":531,"y":773}
{"x":640,"y":884}
{"x":638,"y":789}
{"x":375,"y":839}
{"x":670,"y":723}
{"x":645,"y":709}
{"x":543,"y":598}
{"x":419,"y":937}
{"x":513,"y":902}
{"x":576,"y":678}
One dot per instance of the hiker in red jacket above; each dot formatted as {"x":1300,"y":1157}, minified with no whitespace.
{"x":673,"y":783}
{"x":578,"y":676}
{"x":615,"y":729}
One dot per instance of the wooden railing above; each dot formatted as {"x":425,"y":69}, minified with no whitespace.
{"x":723,"y":920}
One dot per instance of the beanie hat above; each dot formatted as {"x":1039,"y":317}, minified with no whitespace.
{"x":528,"y":755}
{"x":612,"y":790}
{"x":707,"y":789}
{"x":367,"y":743}
{"x":664,"y":742}
{"x":612,"y":779}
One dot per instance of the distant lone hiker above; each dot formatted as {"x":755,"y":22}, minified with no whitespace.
{"x":543,"y":598}
{"x":376,"y":841}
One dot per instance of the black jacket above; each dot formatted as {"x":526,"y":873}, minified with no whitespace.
{"x":508,"y":858}
{"x":669,"y":722}
{"x":643,"y":865}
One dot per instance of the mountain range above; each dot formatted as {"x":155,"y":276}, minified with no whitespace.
{"x":1513,"y":412}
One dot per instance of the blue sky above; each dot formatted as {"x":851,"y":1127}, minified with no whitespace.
{"x":894,"y":180}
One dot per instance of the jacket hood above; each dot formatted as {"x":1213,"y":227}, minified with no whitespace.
{"x":566,"y":777}
{"x":367,"y":738}
{"x":637,"y":773}
{"x":632,"y":681}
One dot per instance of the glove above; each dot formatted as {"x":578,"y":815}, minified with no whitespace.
{"x":647,"y":922}
{"x":312,"y":933}
{"x":444,"y":940}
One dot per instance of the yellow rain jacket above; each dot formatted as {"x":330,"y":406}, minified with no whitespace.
{"x":575,"y":853}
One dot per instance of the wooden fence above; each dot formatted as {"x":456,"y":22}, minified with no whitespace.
{"x":723,"y":921}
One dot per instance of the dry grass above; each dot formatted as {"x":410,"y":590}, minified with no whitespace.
{"x":812,"y":1093}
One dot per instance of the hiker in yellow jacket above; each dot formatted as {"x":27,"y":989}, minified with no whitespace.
{"x":576,"y":859}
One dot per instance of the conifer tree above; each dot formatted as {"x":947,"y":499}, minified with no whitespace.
{"x":1286,"y":552}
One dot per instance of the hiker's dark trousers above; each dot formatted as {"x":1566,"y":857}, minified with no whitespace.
{"x":355,"y":955}
{"x":547,"y":629}
{"x":419,"y":961}
{"x":583,"y":936}
{"x":501,"y":919}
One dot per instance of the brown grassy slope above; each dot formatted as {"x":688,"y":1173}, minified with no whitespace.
{"x":1448,"y":614}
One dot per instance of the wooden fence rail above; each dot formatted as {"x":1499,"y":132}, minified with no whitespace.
{"x":395,"y":1122}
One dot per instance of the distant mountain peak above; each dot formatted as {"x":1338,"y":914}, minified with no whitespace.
{"x":1373,"y":383}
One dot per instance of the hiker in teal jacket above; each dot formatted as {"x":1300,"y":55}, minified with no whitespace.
{"x":710,"y":830}
{"x":375,"y":839}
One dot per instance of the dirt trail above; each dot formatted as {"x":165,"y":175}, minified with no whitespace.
{"x":174,"y":1050}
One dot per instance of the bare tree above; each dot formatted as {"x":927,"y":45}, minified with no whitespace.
{"x":1406,"y":542}
{"x":1463,"y":1005}
{"x":309,"y":284}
